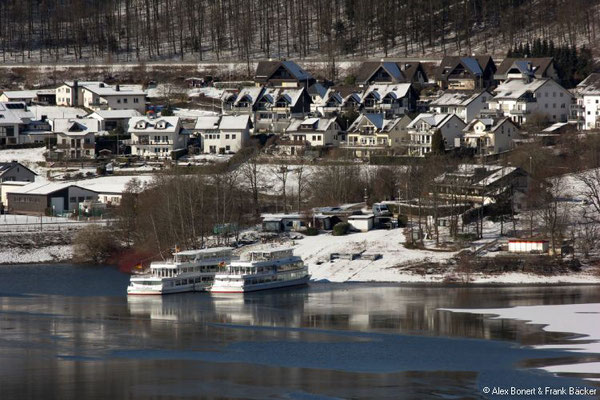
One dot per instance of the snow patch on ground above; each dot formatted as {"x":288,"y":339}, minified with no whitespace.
{"x":193,"y":113}
{"x":54,"y":253}
{"x":581,"y":319}
{"x":28,"y":157}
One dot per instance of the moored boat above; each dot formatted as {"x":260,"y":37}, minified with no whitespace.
{"x":262,"y":270}
{"x":188,"y":271}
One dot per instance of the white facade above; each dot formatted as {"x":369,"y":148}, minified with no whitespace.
{"x":363,"y":223}
{"x":232,"y":134}
{"x":316,"y":131}
{"x":490,"y":136}
{"x":156,"y":138}
{"x":100,"y":96}
{"x":527,"y":246}
{"x":424,"y":126}
{"x":520,"y":99}
{"x":465,"y":106}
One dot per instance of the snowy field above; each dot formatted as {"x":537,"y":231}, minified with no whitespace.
{"x":26,"y":157}
{"x":580,"y":319}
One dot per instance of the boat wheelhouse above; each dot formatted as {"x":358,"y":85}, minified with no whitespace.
{"x":261,"y":270}
{"x":188,"y":271}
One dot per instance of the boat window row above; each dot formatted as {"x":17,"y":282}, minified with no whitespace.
{"x":190,"y":281}
{"x":287,"y":276}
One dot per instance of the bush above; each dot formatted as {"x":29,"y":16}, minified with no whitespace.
{"x":341,"y":229}
{"x":94,"y":244}
{"x":311,"y":231}
{"x":467,"y":237}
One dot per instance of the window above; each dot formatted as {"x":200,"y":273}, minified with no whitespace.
{"x":81,"y":198}
{"x":227,"y":136}
{"x":125,"y":101}
{"x":136,"y":100}
{"x":119,"y":101}
{"x":72,"y":199}
{"x":233,"y":136}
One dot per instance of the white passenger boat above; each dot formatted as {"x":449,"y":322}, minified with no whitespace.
{"x":261,"y":270}
{"x":188,"y":271}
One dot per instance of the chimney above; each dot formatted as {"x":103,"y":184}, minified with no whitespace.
{"x":44,"y":117}
{"x":118,"y":88}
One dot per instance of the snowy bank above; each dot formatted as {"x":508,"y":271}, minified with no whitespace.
{"x":48,"y":254}
{"x":397,"y":263}
{"x":580,"y":319}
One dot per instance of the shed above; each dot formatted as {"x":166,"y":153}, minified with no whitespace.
{"x":528,"y":245}
{"x":363,"y":223}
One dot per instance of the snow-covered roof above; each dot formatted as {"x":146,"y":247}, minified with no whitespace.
{"x":14,"y":113}
{"x":433,"y":120}
{"x":491,"y":124}
{"x":377,"y":120}
{"x":76,"y":125}
{"x":53,"y":112}
{"x":207,"y":122}
{"x":250,"y":93}
{"x":555,"y":127}
{"x":111,"y":184}
{"x":516,"y":88}
{"x":106,"y":90}
{"x":234,"y":122}
{"x":380,"y":91}
{"x":319,"y":124}
{"x":20,"y":94}
{"x":456,"y":99}
{"x":41,"y":188}
{"x":154,"y":125}
{"x":114,"y":114}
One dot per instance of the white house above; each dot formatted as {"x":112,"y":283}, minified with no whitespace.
{"x":336,"y":101}
{"x":392,"y":100}
{"x":466,"y":105}
{"x":113,"y":119}
{"x":101,"y":96}
{"x":490,"y":135}
{"x":372,"y":133}
{"x":14,"y":117}
{"x":316,"y":132}
{"x":156,"y":137}
{"x":232,"y":134}
{"x":586,"y":111}
{"x":423,"y":127}
{"x":75,"y":137}
{"x":520,"y":99}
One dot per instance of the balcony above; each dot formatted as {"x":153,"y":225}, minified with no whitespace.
{"x":515,"y":111}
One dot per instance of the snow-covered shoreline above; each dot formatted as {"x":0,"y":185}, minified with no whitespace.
{"x":42,"y":255}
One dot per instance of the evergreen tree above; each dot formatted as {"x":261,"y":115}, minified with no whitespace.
{"x":545,"y":49}
{"x":536,"y":51}
{"x":521,"y":52}
{"x":551,"y":49}
{"x":527,"y":51}
{"x":437,"y":143}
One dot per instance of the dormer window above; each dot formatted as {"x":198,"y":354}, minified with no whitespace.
{"x":140,"y":125}
{"x":161,"y":125}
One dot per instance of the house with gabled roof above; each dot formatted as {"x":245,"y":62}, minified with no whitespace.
{"x":156,"y":137}
{"x":75,"y":138}
{"x":374,"y":134}
{"x":520,"y":99}
{"x":284,"y":73}
{"x":466,"y":73}
{"x":224,"y":134}
{"x":467,"y":105}
{"x":315,"y":132}
{"x":537,"y":67}
{"x":390,"y":72}
{"x":392,"y":100}
{"x":424,"y":126}
{"x":277,"y":106}
{"x":337,"y":100}
{"x":241,"y":101}
{"x":14,"y":118}
{"x":490,"y":135}
{"x":585,"y":112}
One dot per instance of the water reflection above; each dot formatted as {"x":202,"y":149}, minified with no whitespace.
{"x":359,"y":341}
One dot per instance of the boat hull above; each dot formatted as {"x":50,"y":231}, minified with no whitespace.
{"x":134,"y":291}
{"x":259,"y":286}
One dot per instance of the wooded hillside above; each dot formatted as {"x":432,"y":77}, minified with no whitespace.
{"x":46,"y":31}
